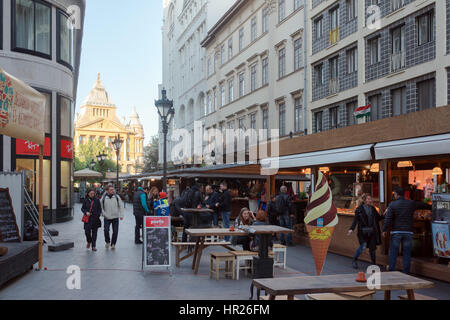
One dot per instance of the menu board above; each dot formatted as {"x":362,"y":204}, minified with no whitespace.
{"x":9,"y":232}
{"x":157,"y":240}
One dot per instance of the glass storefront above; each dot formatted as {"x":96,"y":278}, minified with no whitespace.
{"x":31,"y":169}
{"x":66,"y":184}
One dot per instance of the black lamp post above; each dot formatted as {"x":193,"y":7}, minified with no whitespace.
{"x":92,"y":164}
{"x":101,"y":158}
{"x":166,"y":113}
{"x":117,"y":144}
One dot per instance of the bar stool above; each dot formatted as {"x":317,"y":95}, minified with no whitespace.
{"x":279,"y":250}
{"x":219,"y":257}
{"x":243,"y":256}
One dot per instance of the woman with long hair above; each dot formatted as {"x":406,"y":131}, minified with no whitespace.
{"x":92,"y":211}
{"x":369,"y":235}
{"x":246,"y":218}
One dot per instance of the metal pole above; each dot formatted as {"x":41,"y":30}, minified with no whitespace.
{"x":41,"y":205}
{"x":117,"y":167}
{"x":165,"y":130}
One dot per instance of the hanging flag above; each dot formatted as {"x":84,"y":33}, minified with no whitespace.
{"x":362,"y":112}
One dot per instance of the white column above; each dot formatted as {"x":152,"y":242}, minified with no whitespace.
{"x":6,"y":153}
{"x":54,"y":149}
{"x":441,"y":51}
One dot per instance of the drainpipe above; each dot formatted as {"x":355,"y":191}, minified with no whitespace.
{"x":305,"y":70}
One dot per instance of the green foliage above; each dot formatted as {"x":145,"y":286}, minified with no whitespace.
{"x":151,"y":155}
{"x":88,"y":152}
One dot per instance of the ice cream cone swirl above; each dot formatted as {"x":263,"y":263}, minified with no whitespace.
{"x":321,"y":205}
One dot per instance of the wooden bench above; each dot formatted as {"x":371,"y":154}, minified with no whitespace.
{"x":277,"y":298}
{"x":182,"y":246}
{"x":417,"y":296}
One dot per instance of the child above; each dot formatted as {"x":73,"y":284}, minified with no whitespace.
{"x":161,"y":206}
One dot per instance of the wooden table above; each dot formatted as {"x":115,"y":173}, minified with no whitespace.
{"x":265,"y":233}
{"x":196,"y":212}
{"x":339,"y":283}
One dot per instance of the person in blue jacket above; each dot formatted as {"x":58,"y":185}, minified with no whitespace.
{"x":161,"y":206}
{"x":140,"y":209}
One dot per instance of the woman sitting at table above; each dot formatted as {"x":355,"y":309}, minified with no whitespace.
{"x":245,"y":219}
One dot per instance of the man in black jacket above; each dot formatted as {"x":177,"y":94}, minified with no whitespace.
{"x":210,"y":202}
{"x":400,"y":216}
{"x":283,"y":206}
{"x":224,"y":206}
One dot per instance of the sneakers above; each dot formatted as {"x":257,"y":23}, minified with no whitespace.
{"x":355,"y":264}
{"x":107,"y":245}
{"x":113,"y":247}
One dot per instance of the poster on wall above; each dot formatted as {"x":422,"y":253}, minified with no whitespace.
{"x":22,"y":110}
{"x":66,"y":149}
{"x":157,"y":244}
{"x":441,"y":239}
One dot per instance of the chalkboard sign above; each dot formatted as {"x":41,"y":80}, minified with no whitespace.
{"x":9,"y":232}
{"x":156,"y":250}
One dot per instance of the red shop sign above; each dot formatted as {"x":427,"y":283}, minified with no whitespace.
{"x":157,"y":222}
{"x":66,"y":149}
{"x":28,"y":148}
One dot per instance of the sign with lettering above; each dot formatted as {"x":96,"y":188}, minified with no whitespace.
{"x":28,"y":148}
{"x":66,"y":149}
{"x":22,"y":110}
{"x":157,"y":242}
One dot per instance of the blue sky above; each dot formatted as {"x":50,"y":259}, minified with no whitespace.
{"x":122,"y":41}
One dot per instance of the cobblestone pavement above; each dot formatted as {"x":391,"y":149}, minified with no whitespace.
{"x":109,"y":275}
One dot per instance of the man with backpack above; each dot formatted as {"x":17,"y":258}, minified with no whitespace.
{"x":283,"y":208}
{"x":112,"y":212}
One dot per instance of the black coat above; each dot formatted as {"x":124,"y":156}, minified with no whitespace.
{"x":94,"y":219}
{"x":400,"y":214}
{"x":211,"y":200}
{"x":361,"y":220}
{"x":225,"y":201}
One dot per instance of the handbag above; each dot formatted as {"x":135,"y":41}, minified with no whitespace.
{"x":85,"y":218}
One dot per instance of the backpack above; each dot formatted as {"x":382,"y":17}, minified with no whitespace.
{"x":281,"y":205}
{"x":188,"y":197}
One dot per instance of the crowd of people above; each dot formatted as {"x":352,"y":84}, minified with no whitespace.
{"x":398,"y":217}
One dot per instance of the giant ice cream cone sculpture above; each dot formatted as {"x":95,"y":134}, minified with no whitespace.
{"x":321,"y":218}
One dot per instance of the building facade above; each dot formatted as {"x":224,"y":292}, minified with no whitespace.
{"x":396,"y":65}
{"x":38,"y":46}
{"x":99,"y":121}
{"x":258,"y":79}
{"x":185,"y":25}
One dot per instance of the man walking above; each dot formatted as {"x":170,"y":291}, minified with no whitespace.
{"x":283,"y":206}
{"x":140,"y":209}
{"x":112,"y":212}
{"x":224,"y":206}
{"x":211,"y":199}
{"x":400,"y":216}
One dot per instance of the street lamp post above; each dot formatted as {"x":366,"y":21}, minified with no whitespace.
{"x":166,"y":113}
{"x":117,"y":144}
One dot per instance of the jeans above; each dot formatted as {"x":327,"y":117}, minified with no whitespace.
{"x":406,"y":240}
{"x":115,"y":228}
{"x":91,"y":236}
{"x":226,"y":222}
{"x":361,"y":249}
{"x":215,"y":216}
{"x":285,"y":222}
{"x":138,"y":227}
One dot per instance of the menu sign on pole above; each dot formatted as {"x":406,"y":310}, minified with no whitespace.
{"x":22,"y":110}
{"x":157,"y":242}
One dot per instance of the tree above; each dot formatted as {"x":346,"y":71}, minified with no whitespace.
{"x":89,"y":151}
{"x":151,"y":155}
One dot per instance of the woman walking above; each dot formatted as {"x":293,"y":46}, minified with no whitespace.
{"x":92,"y":210}
{"x":367,"y":219}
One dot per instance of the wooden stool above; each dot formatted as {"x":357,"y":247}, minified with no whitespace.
{"x":276,"y":298}
{"x":279,"y":249}
{"x":243,"y":256}
{"x":218,"y":257}
{"x":325,"y":296}
{"x":417,"y":296}
{"x":364,"y":295}
{"x":179,"y":233}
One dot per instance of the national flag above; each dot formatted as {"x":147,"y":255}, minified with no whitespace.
{"x":362,"y":112}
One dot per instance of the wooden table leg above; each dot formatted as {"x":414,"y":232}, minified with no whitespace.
{"x":411,"y":295}
{"x":272,"y":297}
{"x":387,"y":295}
{"x":199,"y":254}
{"x":195,"y":253}
{"x":290,"y":297}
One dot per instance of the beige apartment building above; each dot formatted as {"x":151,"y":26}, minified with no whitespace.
{"x":255,"y":68}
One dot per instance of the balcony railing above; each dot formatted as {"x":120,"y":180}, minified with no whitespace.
{"x":397,"y":4}
{"x":333,"y":86}
{"x":398,"y":61}
{"x":333,"y":36}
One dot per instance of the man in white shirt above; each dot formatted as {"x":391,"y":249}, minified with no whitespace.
{"x":112,"y":211}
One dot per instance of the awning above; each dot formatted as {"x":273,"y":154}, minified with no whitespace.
{"x":350,"y":154}
{"x":424,"y":146}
